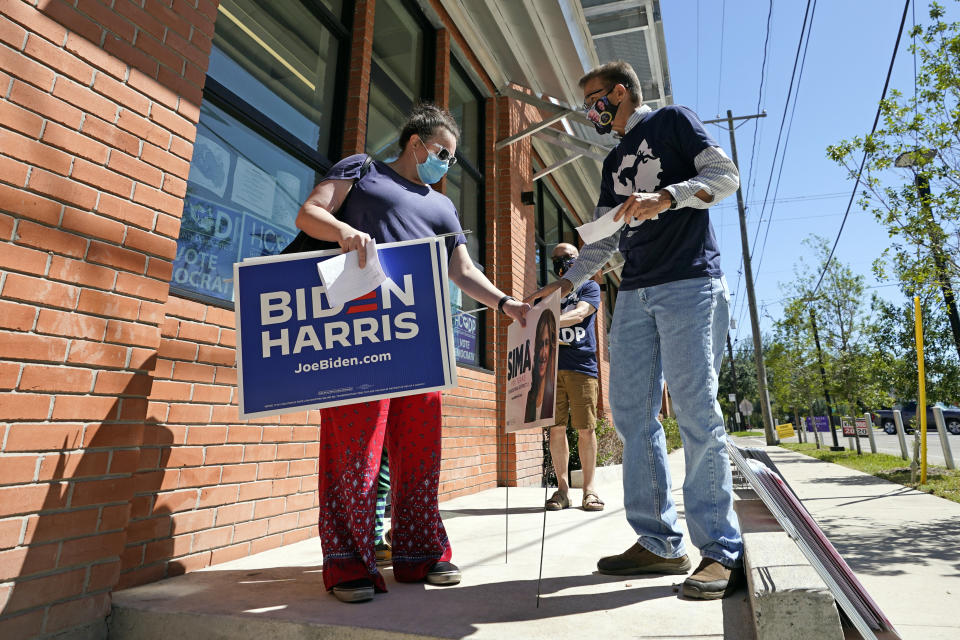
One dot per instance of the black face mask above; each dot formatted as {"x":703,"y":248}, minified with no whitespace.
{"x":562,"y":265}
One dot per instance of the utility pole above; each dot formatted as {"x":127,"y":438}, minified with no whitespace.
{"x":751,"y":296}
{"x":736,"y":395}
{"x":823,"y":376}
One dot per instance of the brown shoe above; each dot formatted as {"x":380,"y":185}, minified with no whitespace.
{"x":711,"y":581}
{"x":637,"y":559}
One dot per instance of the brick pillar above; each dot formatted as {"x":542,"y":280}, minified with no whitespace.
{"x":358,"y":87}
{"x":603,"y":357}
{"x":515,"y":264}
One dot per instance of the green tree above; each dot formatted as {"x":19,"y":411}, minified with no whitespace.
{"x":918,"y":204}
{"x":746,"y":386}
{"x":892,"y":336}
{"x":854,"y":380}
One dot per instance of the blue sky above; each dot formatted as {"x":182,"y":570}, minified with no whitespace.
{"x":846,"y":64}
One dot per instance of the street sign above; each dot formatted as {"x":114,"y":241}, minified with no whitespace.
{"x":295,"y":352}
{"x":746,"y":407}
{"x":732,"y":397}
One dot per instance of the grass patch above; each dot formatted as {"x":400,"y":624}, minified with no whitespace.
{"x":940,"y":481}
{"x":743,"y":434}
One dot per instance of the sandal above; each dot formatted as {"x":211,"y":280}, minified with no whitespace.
{"x":592,"y":502}
{"x":557,"y":502}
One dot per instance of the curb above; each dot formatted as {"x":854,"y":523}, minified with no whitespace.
{"x":788,"y":599}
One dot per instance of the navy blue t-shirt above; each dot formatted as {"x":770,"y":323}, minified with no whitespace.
{"x":391,"y":208}
{"x":657,"y":152}
{"x":578,"y":344}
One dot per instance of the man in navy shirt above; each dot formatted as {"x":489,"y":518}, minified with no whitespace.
{"x":577,"y":387}
{"x":671,"y":321}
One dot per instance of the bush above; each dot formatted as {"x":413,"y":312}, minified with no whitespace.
{"x":609,"y":446}
{"x":672,"y":431}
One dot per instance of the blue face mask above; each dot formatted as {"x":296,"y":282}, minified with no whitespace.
{"x":433,"y":168}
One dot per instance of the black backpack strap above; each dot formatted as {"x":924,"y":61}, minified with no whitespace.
{"x":303,"y":242}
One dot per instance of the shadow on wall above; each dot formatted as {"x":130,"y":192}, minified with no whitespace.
{"x":74,"y":539}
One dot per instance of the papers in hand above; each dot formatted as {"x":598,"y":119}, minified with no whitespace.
{"x":600,"y":228}
{"x":343,"y":278}
{"x":603,"y":227}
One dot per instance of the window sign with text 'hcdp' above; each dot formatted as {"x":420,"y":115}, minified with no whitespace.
{"x":295,"y":352}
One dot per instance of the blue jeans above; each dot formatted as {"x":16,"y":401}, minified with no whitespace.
{"x":675,"y":331}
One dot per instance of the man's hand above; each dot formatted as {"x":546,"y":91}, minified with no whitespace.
{"x":351,"y":239}
{"x":517,"y":310}
{"x":643,"y":206}
{"x":564,"y":285}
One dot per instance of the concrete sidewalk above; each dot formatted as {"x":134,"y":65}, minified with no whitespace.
{"x":904,"y":545}
{"x":279,"y":594}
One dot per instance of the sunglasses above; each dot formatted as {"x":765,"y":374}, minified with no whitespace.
{"x":445,"y":155}
{"x":592,"y":98}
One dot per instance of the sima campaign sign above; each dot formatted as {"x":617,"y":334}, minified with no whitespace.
{"x":295,"y":352}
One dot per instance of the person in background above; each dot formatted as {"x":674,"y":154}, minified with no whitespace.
{"x":390,"y":202}
{"x":671,"y":321}
{"x":577,"y":386}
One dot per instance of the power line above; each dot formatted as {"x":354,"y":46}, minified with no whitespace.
{"x":746,"y":185}
{"x":786,"y":142}
{"x":807,"y":19}
{"x":876,"y":119}
{"x":723,"y":20}
{"x":813,"y":196}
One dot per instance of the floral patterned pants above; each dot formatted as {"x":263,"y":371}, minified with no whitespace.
{"x":351,"y":440}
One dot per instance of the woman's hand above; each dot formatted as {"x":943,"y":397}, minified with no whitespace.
{"x":564,"y":285}
{"x":351,"y":239}
{"x":517,"y":310}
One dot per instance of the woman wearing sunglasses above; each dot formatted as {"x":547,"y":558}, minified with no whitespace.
{"x":390,"y":202}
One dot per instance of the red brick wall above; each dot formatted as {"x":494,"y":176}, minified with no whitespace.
{"x":122,"y":457}
{"x":211,"y":488}
{"x":97,"y":133}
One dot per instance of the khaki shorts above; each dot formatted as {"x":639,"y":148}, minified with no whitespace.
{"x":577,"y":393}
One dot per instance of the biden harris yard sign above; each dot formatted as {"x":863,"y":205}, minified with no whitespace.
{"x":295,"y":352}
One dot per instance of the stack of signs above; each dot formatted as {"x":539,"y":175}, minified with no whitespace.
{"x":797,"y":522}
{"x":532,"y":367}
{"x":296,"y":352}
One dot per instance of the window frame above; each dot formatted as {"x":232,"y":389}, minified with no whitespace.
{"x":264,"y":126}
{"x":476,"y":174}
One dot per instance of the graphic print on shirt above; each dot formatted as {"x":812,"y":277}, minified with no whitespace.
{"x":638,"y":172}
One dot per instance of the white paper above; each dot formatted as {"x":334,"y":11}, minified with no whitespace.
{"x":602,"y":227}
{"x":253,"y":188}
{"x":343,"y":278}
{"x":211,"y":165}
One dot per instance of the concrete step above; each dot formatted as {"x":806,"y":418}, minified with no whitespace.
{"x":788,"y":598}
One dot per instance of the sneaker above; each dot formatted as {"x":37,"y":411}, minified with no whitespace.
{"x":384,"y":553}
{"x":711,"y":581}
{"x":359,"y":590}
{"x":443,"y":573}
{"x":637,"y":559}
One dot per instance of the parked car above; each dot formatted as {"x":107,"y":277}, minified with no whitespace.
{"x":884,"y":418}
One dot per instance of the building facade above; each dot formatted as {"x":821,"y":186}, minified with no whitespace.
{"x":146,"y":146}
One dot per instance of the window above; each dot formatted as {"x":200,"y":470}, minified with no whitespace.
{"x":464,"y":186}
{"x":399,"y":74}
{"x":264,"y":136}
{"x":554,"y":225}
